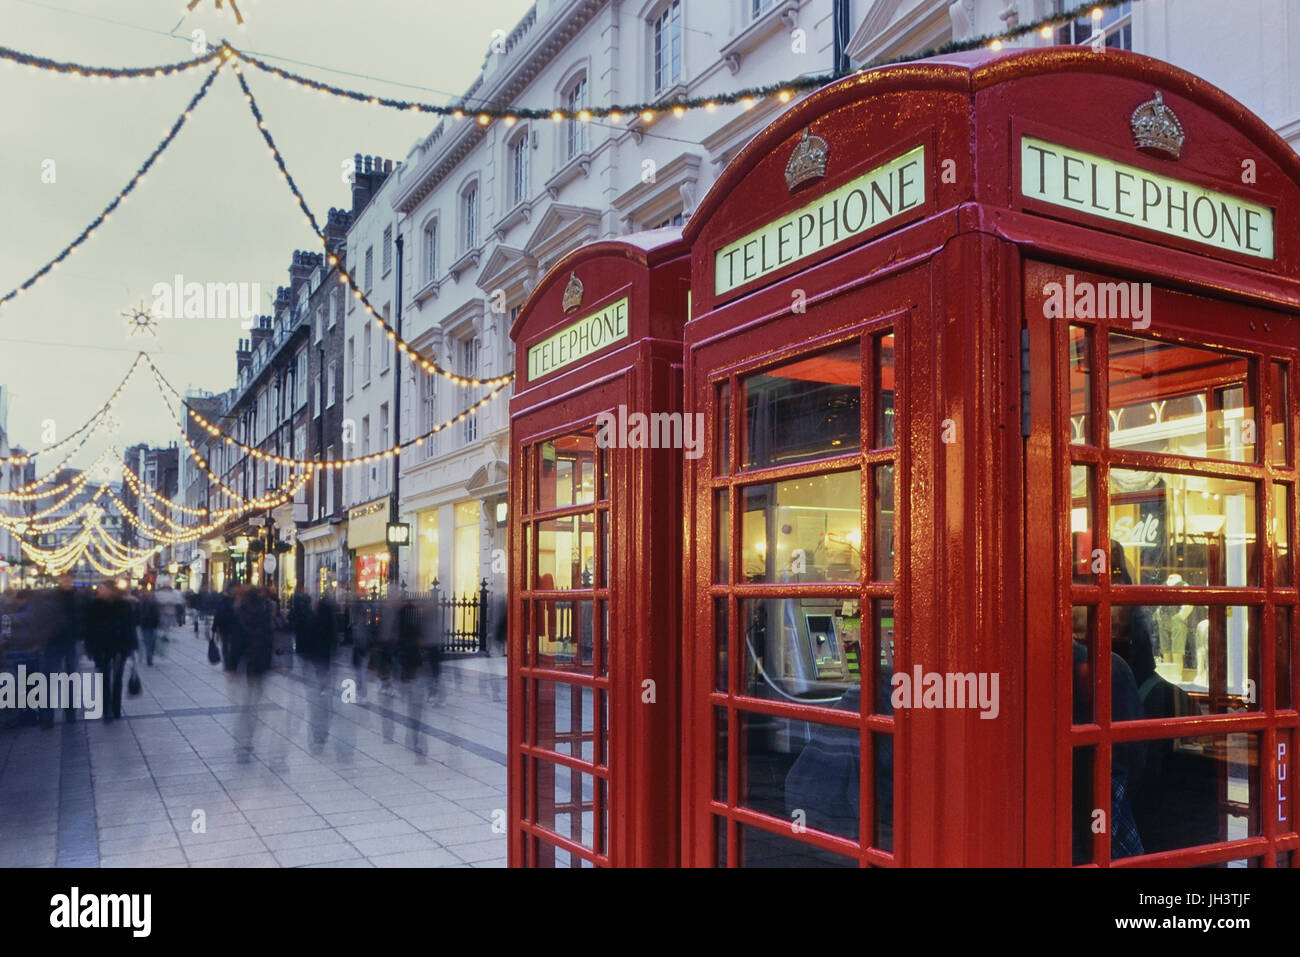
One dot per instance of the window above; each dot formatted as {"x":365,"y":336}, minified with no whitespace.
{"x":469,"y":351}
{"x":370,"y":268}
{"x":385,"y":357}
{"x":366,"y":367}
{"x":675,"y":220}
{"x":668,"y":47}
{"x":469,"y":218}
{"x":1114,"y":28}
{"x":574,"y":100}
{"x":352,"y":364}
{"x":383,"y":438}
{"x":331,"y":385}
{"x":365,"y":450}
{"x":301,"y":398}
{"x":334,"y":310}
{"x":318,"y":323}
{"x":388,"y":249}
{"x":428,"y":410}
{"x":300,"y":442}
{"x":329,"y":483}
{"x":761,"y":7}
{"x":431,"y":251}
{"x":315,"y":395}
{"x":519,"y":168}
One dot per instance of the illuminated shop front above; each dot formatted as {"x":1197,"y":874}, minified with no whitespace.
{"x":367,"y":540}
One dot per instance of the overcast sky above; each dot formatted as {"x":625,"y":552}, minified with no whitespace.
{"x":216,"y":208}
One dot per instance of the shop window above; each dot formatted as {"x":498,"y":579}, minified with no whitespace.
{"x":1172,"y":527}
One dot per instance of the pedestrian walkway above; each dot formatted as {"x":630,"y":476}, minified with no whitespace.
{"x":164,"y":787}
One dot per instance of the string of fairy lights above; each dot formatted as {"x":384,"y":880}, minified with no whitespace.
{"x":123,"y":194}
{"x":92,"y":543}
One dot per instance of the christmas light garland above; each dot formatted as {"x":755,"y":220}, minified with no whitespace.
{"x":646,"y":110}
{"x":103,"y":410}
{"x":121,"y":197}
{"x":404,"y":347}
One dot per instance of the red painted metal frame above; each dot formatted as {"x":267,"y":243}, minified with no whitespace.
{"x":972,"y":593}
{"x":639,"y":772}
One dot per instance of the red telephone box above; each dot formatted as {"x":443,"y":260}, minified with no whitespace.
{"x":987,"y":558}
{"x":595,"y":590}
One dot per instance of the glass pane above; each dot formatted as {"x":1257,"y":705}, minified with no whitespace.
{"x":883,"y":626}
{"x":884,"y":792}
{"x":1081,"y":536}
{"x":564,"y":719}
{"x":1082,"y":804}
{"x":1167,"y":526}
{"x":1185,"y":660}
{"x":1282,"y":652}
{"x":603,"y":518}
{"x":760,"y":848}
{"x":602,"y":613}
{"x":720,"y":841}
{"x":1083,"y":641}
{"x":565,"y":802}
{"x":1281,"y":537}
{"x":884,"y":523}
{"x":1081,"y":386}
{"x":1278,"y":444}
{"x":796,"y":649}
{"x":606,"y":487}
{"x":803,"y":773}
{"x":1197,"y":790}
{"x":721,"y":641}
{"x":604,"y":728}
{"x":565,"y":552}
{"x":884,"y":436}
{"x":721,"y":746}
{"x":562,"y":635}
{"x":528,"y":555}
{"x":722,"y":431}
{"x":1181,"y":400}
{"x":808,"y":408}
{"x":722,"y":536}
{"x":803,"y":530}
{"x":567,"y":471}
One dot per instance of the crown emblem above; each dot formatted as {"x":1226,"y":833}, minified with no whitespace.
{"x":808,"y":161}
{"x":1156,"y":129}
{"x":572,"y":293}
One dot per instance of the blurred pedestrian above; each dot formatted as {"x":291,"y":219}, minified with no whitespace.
{"x":255,"y":612}
{"x":110,"y":640}
{"x":66,"y":621}
{"x":147,"y":618}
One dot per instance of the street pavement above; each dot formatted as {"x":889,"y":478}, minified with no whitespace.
{"x":164,"y":787}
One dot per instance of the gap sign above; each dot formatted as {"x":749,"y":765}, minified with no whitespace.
{"x":881,"y":194}
{"x":579,"y":340}
{"x":1125,"y":194}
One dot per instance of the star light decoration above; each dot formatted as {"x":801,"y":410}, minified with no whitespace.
{"x":239,"y":17}
{"x":140,"y":320}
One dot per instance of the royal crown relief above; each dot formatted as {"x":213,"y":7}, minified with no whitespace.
{"x":808,"y":161}
{"x":1157,"y":129}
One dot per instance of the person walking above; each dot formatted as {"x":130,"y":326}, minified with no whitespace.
{"x":226,"y":624}
{"x":255,"y":612}
{"x":66,"y":624}
{"x":110,"y":639}
{"x":147,"y":617}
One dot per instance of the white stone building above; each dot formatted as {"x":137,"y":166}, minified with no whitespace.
{"x":482,"y":211}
